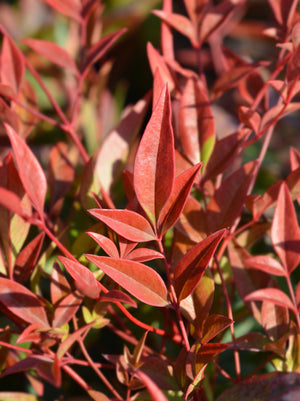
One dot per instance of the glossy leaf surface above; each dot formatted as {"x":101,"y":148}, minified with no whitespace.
{"x":139,"y":280}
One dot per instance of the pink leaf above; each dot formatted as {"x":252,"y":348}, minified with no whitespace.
{"x":139,"y":280}
{"x":105,"y":243}
{"x":12,"y":66}
{"x":266,"y":264}
{"x":160,"y":69}
{"x":285,"y":233}
{"x":12,"y":202}
{"x":273,"y":295}
{"x":59,"y":286}
{"x":127,"y":223}
{"x":179,"y":22}
{"x":154,"y":166}
{"x":70,"y":8}
{"x":30,"y":171}
{"x":84,"y":278}
{"x":22,"y":302}
{"x":53,"y":52}
{"x":192,"y":265}
{"x":196,"y":123}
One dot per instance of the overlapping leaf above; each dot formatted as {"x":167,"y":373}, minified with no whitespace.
{"x":139,"y":280}
{"x":22,"y":302}
{"x":84,"y":278}
{"x":127,"y":223}
{"x":193,"y":264}
{"x":285,"y":232}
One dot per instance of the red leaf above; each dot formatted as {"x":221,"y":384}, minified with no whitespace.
{"x":12,"y":202}
{"x":127,"y":223}
{"x":100,"y":48}
{"x":191,"y":267}
{"x":27,"y":258}
{"x":71,"y":339}
{"x":66,"y":309}
{"x":60,"y":173}
{"x":12,"y":66}
{"x":70,"y":8}
{"x":154,"y":391}
{"x":285,"y":233}
{"x":22,"y":302}
{"x":160,"y":69}
{"x":139,"y":280}
{"x":84,"y":279}
{"x":196,"y":123}
{"x":273,"y":295}
{"x":54,"y":53}
{"x":275,"y":386}
{"x":250,"y":118}
{"x":229,"y":198}
{"x":115,"y":148}
{"x":172,"y":209}
{"x":59,"y":286}
{"x":144,"y":254}
{"x":266,"y":264}
{"x":154,"y":166}
{"x":105,"y":243}
{"x":117,"y":296}
{"x":213,"y":325}
{"x":30,"y":171}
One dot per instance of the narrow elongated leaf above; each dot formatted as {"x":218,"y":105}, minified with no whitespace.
{"x":153,"y":389}
{"x":229,"y":199}
{"x":70,"y":8}
{"x":27,"y":258}
{"x":22,"y":302}
{"x":266,"y":264}
{"x":144,"y":254}
{"x":18,"y":396}
{"x":69,"y":341}
{"x":172,"y":209}
{"x":193,"y":264}
{"x":53,"y":52}
{"x":164,"y":75}
{"x":59,"y":286}
{"x":84,"y":279}
{"x":118,"y":296}
{"x":30,"y":171}
{"x":12,"y":202}
{"x":154,"y":166}
{"x":100,"y":48}
{"x":179,"y":22}
{"x":105,"y":243}
{"x":127,"y":223}
{"x":139,"y":280}
{"x":196,"y":123}
{"x":273,"y":295}
{"x":275,"y":386}
{"x":66,"y":309}
{"x":13,"y":69}
{"x":213,"y":325}
{"x":115,"y":148}
{"x":285,"y":232}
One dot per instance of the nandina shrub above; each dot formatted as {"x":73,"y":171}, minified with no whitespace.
{"x":149,"y":251}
